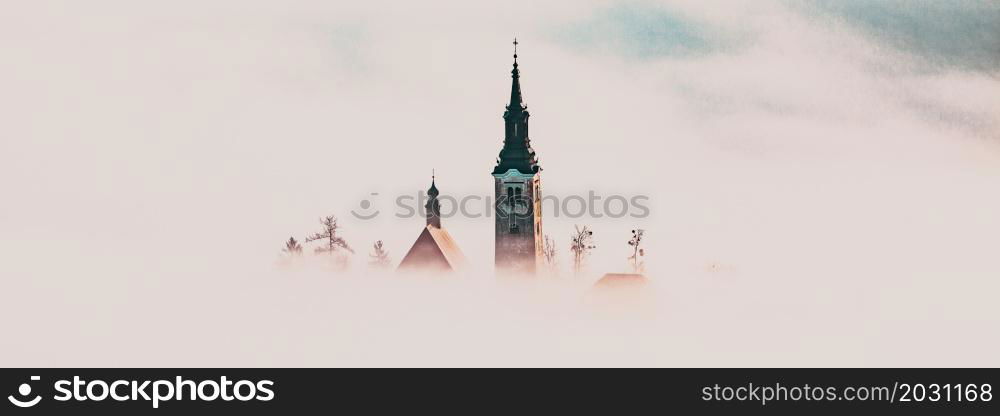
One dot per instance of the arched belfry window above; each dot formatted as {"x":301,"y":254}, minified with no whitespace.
{"x":512,"y":204}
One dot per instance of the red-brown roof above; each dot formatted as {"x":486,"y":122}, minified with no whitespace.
{"x":434,"y":249}
{"x":621,"y":280}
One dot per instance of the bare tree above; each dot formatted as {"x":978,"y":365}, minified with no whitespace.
{"x":636,"y":259}
{"x":550,"y":253}
{"x":379,"y":255}
{"x":333,"y":241}
{"x":582,"y":244}
{"x":292,"y":247}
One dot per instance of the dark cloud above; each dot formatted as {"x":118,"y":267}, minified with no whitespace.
{"x":641,"y":32}
{"x":952,"y":34}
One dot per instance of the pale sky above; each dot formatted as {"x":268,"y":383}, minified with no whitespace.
{"x":803,"y":159}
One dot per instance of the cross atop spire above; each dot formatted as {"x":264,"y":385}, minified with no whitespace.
{"x":517,"y":152}
{"x":516,"y":101}
{"x":433,"y":191}
{"x":515,"y":51}
{"x":433,"y":207}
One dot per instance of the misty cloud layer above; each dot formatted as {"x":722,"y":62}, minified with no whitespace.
{"x":822,"y":179}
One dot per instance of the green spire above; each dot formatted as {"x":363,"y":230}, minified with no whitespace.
{"x":517,"y":152}
{"x":433,"y":191}
{"x":516,"y":101}
{"x":433,"y":207}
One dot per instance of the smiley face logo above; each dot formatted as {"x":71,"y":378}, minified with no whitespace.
{"x":24,"y":390}
{"x":366,"y":213}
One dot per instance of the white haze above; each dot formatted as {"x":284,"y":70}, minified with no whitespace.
{"x":818,"y":197}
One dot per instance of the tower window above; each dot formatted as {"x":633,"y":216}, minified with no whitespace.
{"x":511,"y":217}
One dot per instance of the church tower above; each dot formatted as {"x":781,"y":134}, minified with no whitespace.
{"x":519,"y":241}
{"x":433,"y":207}
{"x":434,"y":251}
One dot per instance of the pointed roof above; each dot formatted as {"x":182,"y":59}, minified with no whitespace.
{"x":516,"y":101}
{"x":448,"y":246}
{"x":621,"y":279}
{"x":434,"y":250}
{"x":517,"y":152}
